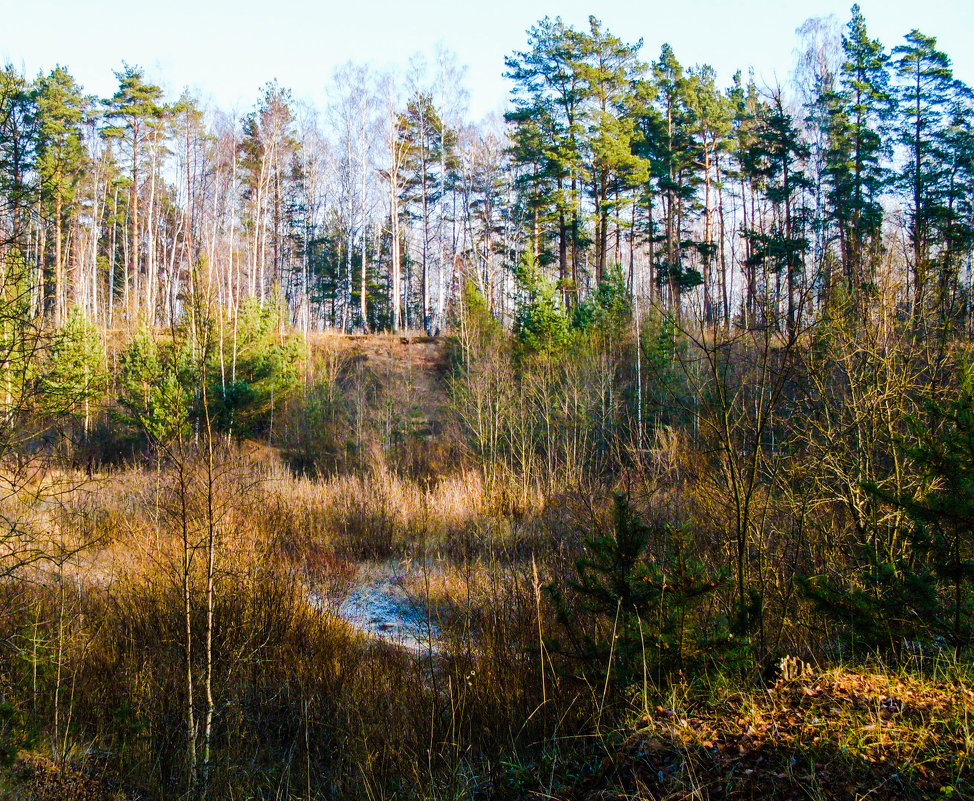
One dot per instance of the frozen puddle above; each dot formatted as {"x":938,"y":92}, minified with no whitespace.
{"x":379,"y":607}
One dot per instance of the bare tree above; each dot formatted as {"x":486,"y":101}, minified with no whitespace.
{"x":354,"y":106}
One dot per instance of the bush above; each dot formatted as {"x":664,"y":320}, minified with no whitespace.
{"x":633,"y":611}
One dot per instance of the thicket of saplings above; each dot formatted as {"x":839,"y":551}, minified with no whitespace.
{"x":598,"y":507}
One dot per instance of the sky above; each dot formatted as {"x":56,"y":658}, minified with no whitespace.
{"x":226,"y":50}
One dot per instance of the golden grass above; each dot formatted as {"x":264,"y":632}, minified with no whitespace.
{"x":843,"y":733}
{"x":381,"y":718}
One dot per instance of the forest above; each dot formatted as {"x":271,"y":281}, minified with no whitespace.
{"x":618,"y":448}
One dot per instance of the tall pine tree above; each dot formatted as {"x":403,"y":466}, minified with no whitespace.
{"x":858,"y":113}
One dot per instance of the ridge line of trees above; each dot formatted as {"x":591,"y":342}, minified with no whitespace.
{"x":735,"y":201}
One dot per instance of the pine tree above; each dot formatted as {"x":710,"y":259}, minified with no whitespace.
{"x":266,"y":159}
{"x":630,"y":612}
{"x":943,"y":511}
{"x":425,"y":136}
{"x":745,"y":104}
{"x":22,"y":345}
{"x":927,"y":93}
{"x":18,"y":120}
{"x":61,"y":161}
{"x":609,"y":69}
{"x":608,"y":310}
{"x":671,"y":154}
{"x":957,"y":206}
{"x":775,"y":158}
{"x":711,"y":113}
{"x":541,"y":324}
{"x":75,"y":374}
{"x":858,"y":112}
{"x":264,"y":369}
{"x":921,"y":593}
{"x":134,"y":110}
{"x":548,"y":94}
{"x":153,"y":391}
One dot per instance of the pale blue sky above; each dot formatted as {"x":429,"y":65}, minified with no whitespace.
{"x":227,"y":49}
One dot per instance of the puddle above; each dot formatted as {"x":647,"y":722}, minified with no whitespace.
{"x":383,"y":612}
{"x":378,"y":606}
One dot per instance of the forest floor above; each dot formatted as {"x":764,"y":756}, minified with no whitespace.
{"x":838,"y":735}
{"x":842,"y":734}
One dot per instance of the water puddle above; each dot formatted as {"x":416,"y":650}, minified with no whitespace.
{"x":377,"y":605}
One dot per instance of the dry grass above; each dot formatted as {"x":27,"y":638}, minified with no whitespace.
{"x":308,"y":707}
{"x":304,"y":701}
{"x":41,"y":779}
{"x":380,"y":513}
{"x":839,"y":734}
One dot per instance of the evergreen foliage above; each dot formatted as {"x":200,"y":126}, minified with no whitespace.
{"x":924,"y":594}
{"x":75,"y":375}
{"x":252,"y":381}
{"x":635,"y":613}
{"x":858,"y":111}
{"x":608,"y":310}
{"x":541,"y":323}
{"x":153,"y":395}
